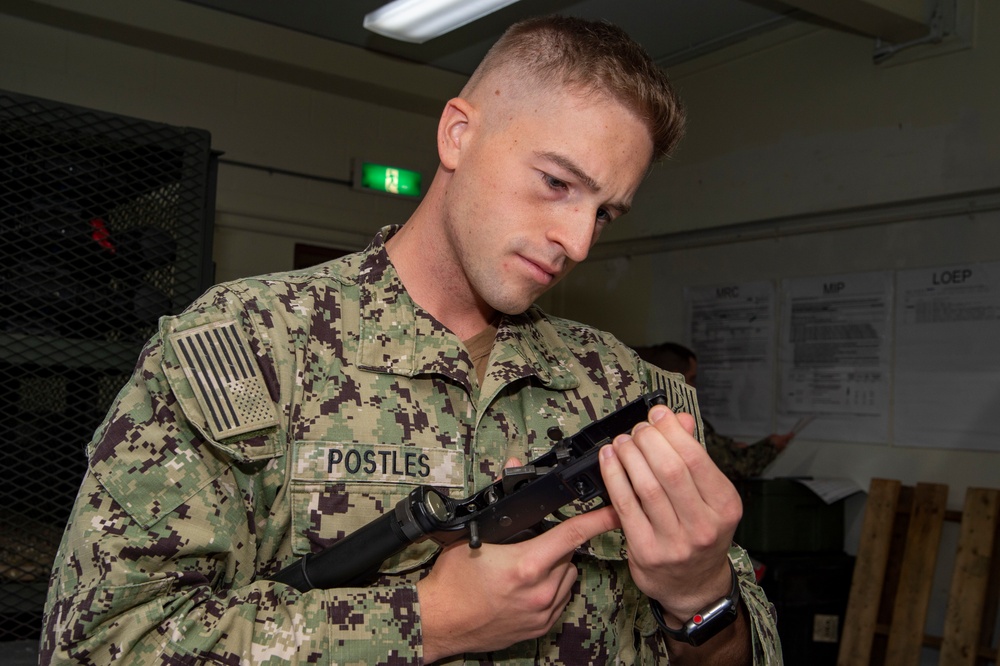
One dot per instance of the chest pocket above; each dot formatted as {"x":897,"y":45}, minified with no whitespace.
{"x":337,"y":488}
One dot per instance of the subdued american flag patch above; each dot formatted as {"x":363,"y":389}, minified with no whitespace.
{"x":225,"y":378}
{"x":681,"y":397}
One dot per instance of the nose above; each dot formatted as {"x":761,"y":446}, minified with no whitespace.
{"x":575,"y":234}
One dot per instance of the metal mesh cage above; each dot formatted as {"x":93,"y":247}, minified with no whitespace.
{"x":105,"y":225}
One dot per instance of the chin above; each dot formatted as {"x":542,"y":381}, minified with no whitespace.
{"x":511,"y":307}
{"x":513,"y":301}
{"x":512,"y":310}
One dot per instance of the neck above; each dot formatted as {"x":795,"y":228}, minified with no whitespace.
{"x":432,"y":276}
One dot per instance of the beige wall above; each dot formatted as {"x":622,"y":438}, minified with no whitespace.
{"x":801,"y":120}
{"x":268,"y":96}
{"x":793,"y":122}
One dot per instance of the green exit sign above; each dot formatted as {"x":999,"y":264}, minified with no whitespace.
{"x":387,"y":179}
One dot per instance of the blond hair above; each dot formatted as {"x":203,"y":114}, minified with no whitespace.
{"x":593,"y":56}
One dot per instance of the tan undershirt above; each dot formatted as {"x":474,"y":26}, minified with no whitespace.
{"x":479,"y":347}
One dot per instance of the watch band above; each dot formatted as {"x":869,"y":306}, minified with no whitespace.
{"x":706,"y":623}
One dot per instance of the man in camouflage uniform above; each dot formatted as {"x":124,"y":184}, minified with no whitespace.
{"x":279,"y":414}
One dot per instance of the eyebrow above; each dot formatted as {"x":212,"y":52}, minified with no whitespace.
{"x":591,"y":184}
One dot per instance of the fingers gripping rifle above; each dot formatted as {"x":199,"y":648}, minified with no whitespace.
{"x":509,"y":510}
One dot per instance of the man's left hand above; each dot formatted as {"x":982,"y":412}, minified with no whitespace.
{"x":677,"y":510}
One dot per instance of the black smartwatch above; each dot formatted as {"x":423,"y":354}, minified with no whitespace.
{"x":706,"y":623}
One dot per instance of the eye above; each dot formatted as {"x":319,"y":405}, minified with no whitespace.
{"x":554,"y":182}
{"x":604,"y":216}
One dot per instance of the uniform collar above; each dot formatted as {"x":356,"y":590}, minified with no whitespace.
{"x":399,"y":337}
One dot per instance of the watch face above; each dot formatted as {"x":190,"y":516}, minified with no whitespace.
{"x":711,"y":621}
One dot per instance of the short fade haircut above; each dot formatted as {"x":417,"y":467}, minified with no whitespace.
{"x":594,"y":56}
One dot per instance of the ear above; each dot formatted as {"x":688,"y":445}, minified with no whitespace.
{"x":454,"y":130}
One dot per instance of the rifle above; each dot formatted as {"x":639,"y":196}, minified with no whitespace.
{"x":511,"y":509}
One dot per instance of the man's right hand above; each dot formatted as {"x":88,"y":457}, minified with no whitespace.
{"x":478,"y":600}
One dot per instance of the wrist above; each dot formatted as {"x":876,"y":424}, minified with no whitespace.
{"x":707,"y":622}
{"x":431,"y":631}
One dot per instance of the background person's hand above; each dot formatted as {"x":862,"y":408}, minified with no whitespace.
{"x":781,"y":441}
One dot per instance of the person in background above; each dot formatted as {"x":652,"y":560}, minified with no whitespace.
{"x":279,"y":414}
{"x":737,"y":460}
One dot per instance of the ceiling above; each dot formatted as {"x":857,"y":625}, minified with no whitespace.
{"x":671,"y":30}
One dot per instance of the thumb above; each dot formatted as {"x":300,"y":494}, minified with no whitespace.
{"x":513,"y":462}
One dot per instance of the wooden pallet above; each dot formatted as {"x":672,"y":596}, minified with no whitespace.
{"x":894,"y":571}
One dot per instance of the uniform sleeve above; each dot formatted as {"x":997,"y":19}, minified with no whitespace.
{"x":739,"y":462}
{"x":124,"y":594}
{"x":168,"y":542}
{"x":762,"y":614}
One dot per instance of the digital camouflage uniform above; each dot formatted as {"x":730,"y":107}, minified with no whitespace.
{"x":738,"y":462}
{"x":348,"y":396}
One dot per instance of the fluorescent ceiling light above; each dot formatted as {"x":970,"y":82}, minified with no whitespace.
{"x":420,"y":20}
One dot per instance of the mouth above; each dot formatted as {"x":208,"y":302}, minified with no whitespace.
{"x":542,"y":273}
